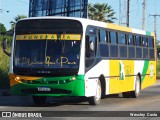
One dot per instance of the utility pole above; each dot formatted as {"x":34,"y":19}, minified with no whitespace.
{"x":124,"y":6}
{"x":120,"y":7}
{"x":128,"y":7}
{"x":155,"y":23}
{"x":144,"y":15}
{"x":122,"y":12}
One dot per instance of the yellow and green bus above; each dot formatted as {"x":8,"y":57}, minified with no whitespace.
{"x":61,"y":56}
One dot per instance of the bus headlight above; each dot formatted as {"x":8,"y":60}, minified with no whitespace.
{"x":17,"y":78}
{"x":73,"y":78}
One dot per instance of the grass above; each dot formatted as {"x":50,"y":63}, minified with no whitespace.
{"x":4,"y":66}
{"x":158,"y":69}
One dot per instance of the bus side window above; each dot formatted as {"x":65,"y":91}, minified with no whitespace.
{"x":131,"y":47}
{"x":150,"y":42}
{"x":138,"y":47}
{"x":113,"y":45}
{"x":90,"y":46}
{"x":130,"y":40}
{"x":122,"y":45}
{"x":103,"y":43}
{"x":144,"y":42}
{"x":91,"y":42}
{"x":145,"y":47}
{"x":121,"y":38}
{"x":151,"y":48}
{"x":113,"y":37}
{"x":138,"y":40}
{"x":103,"y":36}
{"x":91,"y":30}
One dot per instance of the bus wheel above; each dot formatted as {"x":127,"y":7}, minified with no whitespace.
{"x":136,"y":92}
{"x":39,"y":100}
{"x":95,"y":100}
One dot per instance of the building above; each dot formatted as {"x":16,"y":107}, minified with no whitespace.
{"x":72,"y":8}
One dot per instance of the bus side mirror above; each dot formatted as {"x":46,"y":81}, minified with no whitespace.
{"x":4,"y":45}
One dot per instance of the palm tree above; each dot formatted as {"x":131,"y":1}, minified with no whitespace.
{"x":101,"y":12}
{"x":18,"y":17}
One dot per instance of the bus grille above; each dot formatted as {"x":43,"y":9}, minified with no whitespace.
{"x":46,"y":82}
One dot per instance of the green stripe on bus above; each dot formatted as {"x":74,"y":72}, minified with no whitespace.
{"x":148,"y":33}
{"x":145,"y":68}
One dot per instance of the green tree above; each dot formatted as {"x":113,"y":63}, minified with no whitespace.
{"x":158,"y":48}
{"x":13,"y":23}
{"x":101,"y":12}
{"x":2,"y":29}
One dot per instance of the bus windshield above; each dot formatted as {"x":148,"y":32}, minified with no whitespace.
{"x":47,"y":44}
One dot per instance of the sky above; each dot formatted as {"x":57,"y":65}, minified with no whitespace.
{"x":21,"y":7}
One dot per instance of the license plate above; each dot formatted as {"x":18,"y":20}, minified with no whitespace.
{"x":44,"y":89}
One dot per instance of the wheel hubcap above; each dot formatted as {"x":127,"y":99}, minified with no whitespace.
{"x":98,"y":93}
{"x":137,"y":87}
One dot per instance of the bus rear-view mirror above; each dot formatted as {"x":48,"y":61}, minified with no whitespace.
{"x":4,"y":45}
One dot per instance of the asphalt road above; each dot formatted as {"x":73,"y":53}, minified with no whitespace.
{"x":149,"y":100}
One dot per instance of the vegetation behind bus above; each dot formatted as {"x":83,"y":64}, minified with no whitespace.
{"x":158,"y":69}
{"x":4,"y":64}
{"x":4,"y":59}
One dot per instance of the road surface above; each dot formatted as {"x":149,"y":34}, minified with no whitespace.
{"x":149,"y":100}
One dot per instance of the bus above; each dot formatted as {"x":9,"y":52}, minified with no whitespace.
{"x":77,"y":57}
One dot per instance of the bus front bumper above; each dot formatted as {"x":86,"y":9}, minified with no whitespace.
{"x":48,"y":86}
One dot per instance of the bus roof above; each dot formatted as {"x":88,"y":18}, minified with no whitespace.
{"x":86,"y":22}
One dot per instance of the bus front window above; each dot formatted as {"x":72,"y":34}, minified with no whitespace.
{"x":29,"y":54}
{"x":47,"y":45}
{"x":47,"y":54}
{"x":62,"y":54}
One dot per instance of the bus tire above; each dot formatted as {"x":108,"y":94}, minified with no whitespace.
{"x":136,"y":92}
{"x":39,"y":100}
{"x":95,"y":100}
